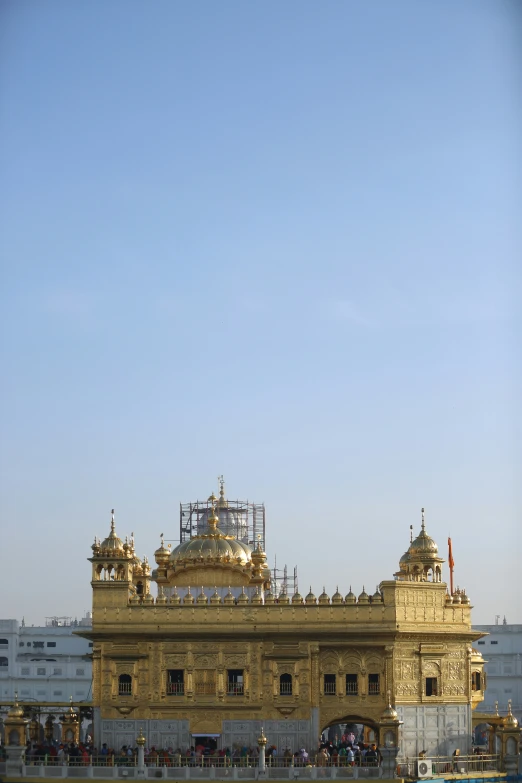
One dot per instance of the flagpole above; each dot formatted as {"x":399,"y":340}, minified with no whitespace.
{"x":451,"y":564}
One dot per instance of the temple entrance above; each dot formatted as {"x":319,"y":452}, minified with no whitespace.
{"x":351,"y":740}
{"x":205,"y":743}
{"x":352,"y":728}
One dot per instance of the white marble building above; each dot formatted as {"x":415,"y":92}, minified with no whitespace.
{"x":502,"y":650}
{"x":45,"y":663}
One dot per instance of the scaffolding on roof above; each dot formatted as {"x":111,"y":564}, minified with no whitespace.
{"x":239,"y":518}
{"x":281,"y":582}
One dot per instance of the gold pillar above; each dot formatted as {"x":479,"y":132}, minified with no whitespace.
{"x":15,"y":726}
{"x":70,"y":726}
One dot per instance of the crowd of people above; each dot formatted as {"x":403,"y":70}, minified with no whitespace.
{"x":346,"y":753}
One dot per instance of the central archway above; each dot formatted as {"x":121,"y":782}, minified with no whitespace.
{"x":350,"y":729}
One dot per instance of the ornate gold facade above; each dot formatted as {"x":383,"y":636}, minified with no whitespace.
{"x":198,"y":661}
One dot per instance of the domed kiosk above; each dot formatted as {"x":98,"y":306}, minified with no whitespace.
{"x":212,"y":559}
{"x":421,"y":563}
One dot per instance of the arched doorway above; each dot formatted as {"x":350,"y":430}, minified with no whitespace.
{"x":351,"y":739}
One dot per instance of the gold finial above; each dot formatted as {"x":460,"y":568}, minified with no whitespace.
{"x":422,"y":519}
{"x":140,"y":739}
{"x":112,"y":522}
{"x":222,"y":503}
{"x":411,"y":534}
{"x":496,"y":708}
{"x":212,"y":518}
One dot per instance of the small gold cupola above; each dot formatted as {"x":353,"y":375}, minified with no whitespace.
{"x":421,"y":563}
{"x":162,"y":554}
{"x":112,"y":544}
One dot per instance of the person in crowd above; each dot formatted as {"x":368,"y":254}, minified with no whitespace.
{"x":371,"y":756}
{"x":456,"y":759}
{"x":322,"y":758}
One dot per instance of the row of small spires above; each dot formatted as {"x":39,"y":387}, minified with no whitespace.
{"x":108,"y":545}
{"x":459,"y":597}
{"x":258,"y":598}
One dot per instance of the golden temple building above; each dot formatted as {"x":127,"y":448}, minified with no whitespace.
{"x":205,"y":646}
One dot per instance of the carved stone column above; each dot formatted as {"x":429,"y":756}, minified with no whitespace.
{"x":140,"y":742}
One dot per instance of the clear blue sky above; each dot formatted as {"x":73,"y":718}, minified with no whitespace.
{"x":275,"y":240}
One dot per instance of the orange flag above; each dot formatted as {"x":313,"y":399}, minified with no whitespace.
{"x":451,"y":564}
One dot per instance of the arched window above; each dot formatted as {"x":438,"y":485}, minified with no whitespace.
{"x":124,"y":685}
{"x":14,"y":737}
{"x":285,"y":685}
{"x":139,"y":588}
{"x":3,"y":661}
{"x":476,"y":684}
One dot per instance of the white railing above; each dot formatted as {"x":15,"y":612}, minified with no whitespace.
{"x":175,"y":688}
{"x":160,"y":759}
{"x":242,"y":769}
{"x":450,"y":765}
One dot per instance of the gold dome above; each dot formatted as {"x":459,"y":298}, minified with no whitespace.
{"x":215,"y":598}
{"x":405,"y":558}
{"x":390,"y":713}
{"x":16,"y":711}
{"x":242,"y":597}
{"x":364,"y":598}
{"x":212,"y":546}
{"x":376,"y":597}
{"x":350,"y":598}
{"x":71,"y":715}
{"x":310,"y":598}
{"x":297,"y":598}
{"x":423,"y":544}
{"x":256,"y":598}
{"x":161,"y":597}
{"x":229,"y":598}
{"x":337,"y":597}
{"x":174,"y":598}
{"x":112,"y":544}
{"x":269,"y":598}
{"x":162,"y":554}
{"x":510,"y":721}
{"x":324,"y":598}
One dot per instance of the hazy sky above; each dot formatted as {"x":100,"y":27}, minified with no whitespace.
{"x":275,"y":240}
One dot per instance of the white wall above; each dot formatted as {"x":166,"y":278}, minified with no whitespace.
{"x":502,"y":650}
{"x":44,"y":663}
